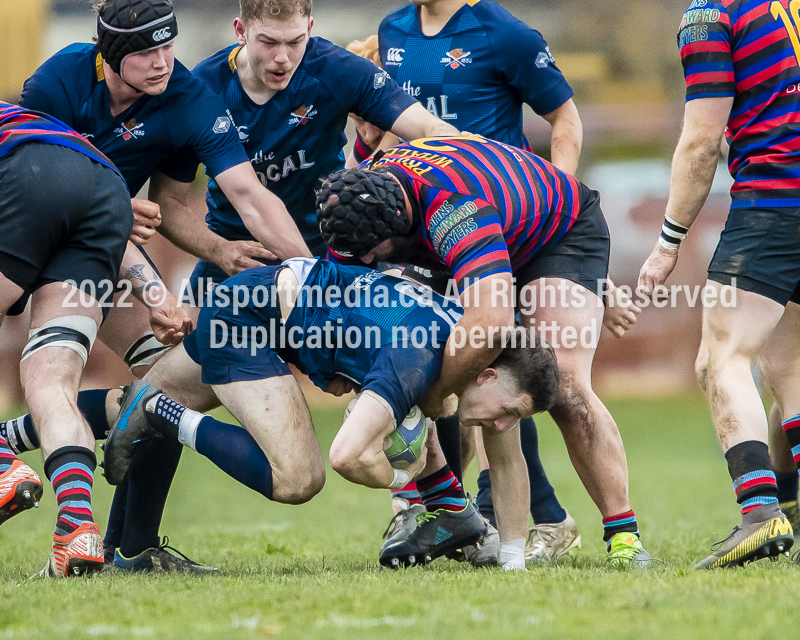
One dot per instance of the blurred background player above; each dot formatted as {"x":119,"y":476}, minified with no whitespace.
{"x":739,"y":59}
{"x":489,"y":212}
{"x":156,"y":121}
{"x":455,"y":57}
{"x":65,"y":218}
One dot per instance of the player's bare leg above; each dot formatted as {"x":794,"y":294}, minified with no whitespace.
{"x":20,"y":487}
{"x":590,"y":433}
{"x":732,"y":338}
{"x":51,"y":377}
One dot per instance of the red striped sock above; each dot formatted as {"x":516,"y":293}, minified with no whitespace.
{"x":408,"y":493}
{"x":442,"y":490}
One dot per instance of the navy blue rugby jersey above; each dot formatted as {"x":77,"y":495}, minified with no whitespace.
{"x":170,"y":132}
{"x":297,"y":136}
{"x":383,"y":311}
{"x":477,"y":72}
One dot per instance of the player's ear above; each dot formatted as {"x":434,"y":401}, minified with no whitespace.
{"x":487,"y":375}
{"x":310,"y":24}
{"x":238,"y":29}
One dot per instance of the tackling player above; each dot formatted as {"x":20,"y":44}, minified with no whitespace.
{"x":741,"y":61}
{"x":65,"y":218}
{"x":381,"y":334}
{"x":154,"y":119}
{"x":455,"y":58}
{"x":486,"y":211}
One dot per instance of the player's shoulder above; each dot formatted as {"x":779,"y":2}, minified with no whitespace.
{"x":71,"y":60}
{"x":332,"y":64}
{"x":401,"y":19}
{"x":217,"y":70}
{"x":498,"y":20}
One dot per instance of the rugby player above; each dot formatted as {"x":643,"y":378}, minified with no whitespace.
{"x":290,"y":95}
{"x":343,"y":326}
{"x":454,"y":57}
{"x":129,"y":96}
{"x":65,"y":218}
{"x":486,"y":211}
{"x":741,"y":65}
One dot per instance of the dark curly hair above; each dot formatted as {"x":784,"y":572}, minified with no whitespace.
{"x":357,"y":209}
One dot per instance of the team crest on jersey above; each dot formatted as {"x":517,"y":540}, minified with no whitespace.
{"x":130,"y":129}
{"x":302,"y":115}
{"x":456,"y":58}
{"x":380,"y":79}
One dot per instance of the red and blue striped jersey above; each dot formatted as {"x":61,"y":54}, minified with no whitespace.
{"x":18,"y":126}
{"x":484,"y":207}
{"x":750,"y":50}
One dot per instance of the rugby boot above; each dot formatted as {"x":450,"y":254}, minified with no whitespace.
{"x":436,"y":533}
{"x":792,"y":512}
{"x":401,"y":525}
{"x":76,"y":554}
{"x":547,"y":542}
{"x":20,"y":489}
{"x":162,"y":559}
{"x":625,"y":551}
{"x":765,"y":533}
{"x":485,"y":552}
{"x":130,"y":431}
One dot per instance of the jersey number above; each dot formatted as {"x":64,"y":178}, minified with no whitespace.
{"x":789,"y":23}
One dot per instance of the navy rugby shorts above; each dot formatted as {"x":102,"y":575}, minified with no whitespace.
{"x":63,"y":217}
{"x":223,"y":343}
{"x":759,"y":251}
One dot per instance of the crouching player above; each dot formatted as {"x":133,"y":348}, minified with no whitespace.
{"x":65,"y":217}
{"x":359,"y":336}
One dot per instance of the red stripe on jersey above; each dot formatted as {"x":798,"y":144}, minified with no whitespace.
{"x":757,"y":45}
{"x":479,"y":261}
{"x":710,"y":76}
{"x":757,"y":78}
{"x":475,"y":171}
{"x":708,"y":46}
{"x":522,"y":192}
{"x":766,"y":184}
{"x":772,"y":123}
{"x":433,"y":207}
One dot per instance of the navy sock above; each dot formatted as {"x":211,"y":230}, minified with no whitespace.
{"x":149,"y":479}
{"x":236,"y":452}
{"x":449,"y":433}
{"x":116,"y":519}
{"x":484,"y":497}
{"x":545,"y":508}
{"x":92,"y":404}
{"x":788,"y":485}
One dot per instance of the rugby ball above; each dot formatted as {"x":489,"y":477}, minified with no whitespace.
{"x":403,"y":446}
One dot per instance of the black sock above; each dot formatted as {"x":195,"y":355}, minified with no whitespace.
{"x":484,"y":497}
{"x":788,"y":485}
{"x":449,"y":432}
{"x":751,"y":471}
{"x":149,"y":478}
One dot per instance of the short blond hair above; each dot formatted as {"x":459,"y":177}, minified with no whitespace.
{"x":366,"y":49}
{"x":250,"y":10}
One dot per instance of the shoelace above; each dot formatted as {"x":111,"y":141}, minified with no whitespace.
{"x":717,"y":545}
{"x":425,"y":516}
{"x":165,"y":548}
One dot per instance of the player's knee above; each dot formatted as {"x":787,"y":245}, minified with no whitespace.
{"x":572,"y":405}
{"x":301,"y":488}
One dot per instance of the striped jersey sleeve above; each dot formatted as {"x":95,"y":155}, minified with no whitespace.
{"x":467,"y":234}
{"x":705,"y":39}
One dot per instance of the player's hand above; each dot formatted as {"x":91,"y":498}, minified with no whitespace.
{"x":621,"y":312}
{"x":656,"y":269}
{"x":146,"y":217}
{"x":169,"y":320}
{"x":340,"y":386}
{"x":234,"y":257}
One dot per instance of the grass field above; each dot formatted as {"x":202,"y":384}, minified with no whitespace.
{"x":311,"y":571}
